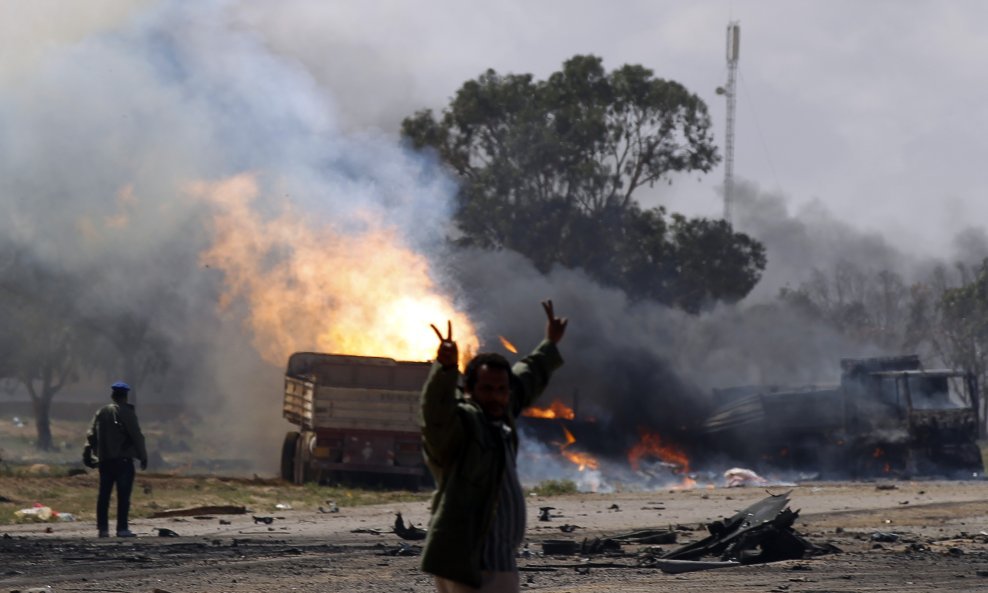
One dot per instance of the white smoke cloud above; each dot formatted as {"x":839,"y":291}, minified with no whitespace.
{"x":105,"y":130}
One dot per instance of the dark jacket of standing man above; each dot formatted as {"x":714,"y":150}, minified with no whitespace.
{"x":470,"y":446}
{"x":113,"y":443}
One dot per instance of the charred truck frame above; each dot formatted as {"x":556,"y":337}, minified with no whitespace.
{"x":888,"y":416}
{"x":356,"y":419}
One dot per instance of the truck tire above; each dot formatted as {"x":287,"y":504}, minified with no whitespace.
{"x":288,"y":456}
{"x":302,"y":472}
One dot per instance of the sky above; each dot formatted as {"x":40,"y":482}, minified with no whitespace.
{"x":859,"y":126}
{"x":873,"y":110}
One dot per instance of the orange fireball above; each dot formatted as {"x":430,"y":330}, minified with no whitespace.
{"x":307,"y":287}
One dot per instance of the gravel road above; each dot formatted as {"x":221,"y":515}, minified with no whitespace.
{"x":940,"y":530}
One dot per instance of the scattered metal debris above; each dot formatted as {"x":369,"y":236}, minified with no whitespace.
{"x":265,"y":520}
{"x":600,"y":546}
{"x":762,"y":532}
{"x":560,"y":547}
{"x":402,"y":549}
{"x":165,"y":532}
{"x":410,"y":532}
{"x":647,"y":537}
{"x":681,"y":566}
{"x":544,"y":513}
{"x":202,"y":510}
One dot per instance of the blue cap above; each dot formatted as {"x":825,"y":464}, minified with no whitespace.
{"x":120,"y":386}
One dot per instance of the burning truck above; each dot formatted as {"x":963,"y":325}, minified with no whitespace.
{"x":355,"y":419}
{"x":887,"y":416}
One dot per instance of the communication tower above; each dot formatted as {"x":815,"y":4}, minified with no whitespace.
{"x":730,"y":91}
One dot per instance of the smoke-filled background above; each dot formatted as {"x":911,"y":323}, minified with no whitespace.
{"x":227,"y":179}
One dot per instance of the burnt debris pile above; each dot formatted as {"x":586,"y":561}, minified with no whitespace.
{"x":763,"y":532}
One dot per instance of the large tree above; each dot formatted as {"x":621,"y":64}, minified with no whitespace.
{"x":963,"y":335}
{"x":47,"y":332}
{"x":868,"y":306}
{"x":550,"y":169}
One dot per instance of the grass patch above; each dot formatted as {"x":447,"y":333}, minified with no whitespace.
{"x":195,"y":471}
{"x":155,"y":492}
{"x":554,"y":487}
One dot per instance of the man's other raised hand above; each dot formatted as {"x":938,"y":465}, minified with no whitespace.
{"x":555,"y":327}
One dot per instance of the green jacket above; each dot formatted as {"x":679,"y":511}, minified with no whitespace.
{"x":468,"y":464}
{"x":115,"y":433}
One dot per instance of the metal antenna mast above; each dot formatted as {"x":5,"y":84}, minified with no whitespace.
{"x":733,"y":45}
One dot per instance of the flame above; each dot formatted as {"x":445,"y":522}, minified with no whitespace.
{"x":651,"y":444}
{"x":570,"y":439}
{"x":315,"y":288}
{"x":878,"y":453}
{"x":582,"y":460}
{"x":508,"y":345}
{"x":556,"y":409}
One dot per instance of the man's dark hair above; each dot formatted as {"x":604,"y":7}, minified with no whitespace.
{"x":492,"y":360}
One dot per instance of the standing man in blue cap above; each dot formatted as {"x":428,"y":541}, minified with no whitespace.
{"x":116,"y":440}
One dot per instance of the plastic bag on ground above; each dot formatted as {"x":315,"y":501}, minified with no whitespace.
{"x":38,"y":512}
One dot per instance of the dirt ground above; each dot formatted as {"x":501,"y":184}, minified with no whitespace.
{"x":942,"y":545}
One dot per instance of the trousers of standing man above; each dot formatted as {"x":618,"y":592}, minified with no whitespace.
{"x":493,"y":582}
{"x":117,"y":472}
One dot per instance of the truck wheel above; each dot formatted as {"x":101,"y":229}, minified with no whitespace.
{"x":302,"y":473}
{"x":288,"y":456}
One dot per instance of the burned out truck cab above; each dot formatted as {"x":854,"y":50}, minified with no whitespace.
{"x":888,"y":416}
{"x":356,"y":419}
{"x":933,"y":414}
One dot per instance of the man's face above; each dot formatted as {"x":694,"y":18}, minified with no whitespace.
{"x":492,"y":392}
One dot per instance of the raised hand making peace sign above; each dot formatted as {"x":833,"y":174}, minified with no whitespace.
{"x":555,"y":327}
{"x":448,"y":354}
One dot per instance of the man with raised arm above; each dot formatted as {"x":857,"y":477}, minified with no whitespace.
{"x":470,"y":445}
